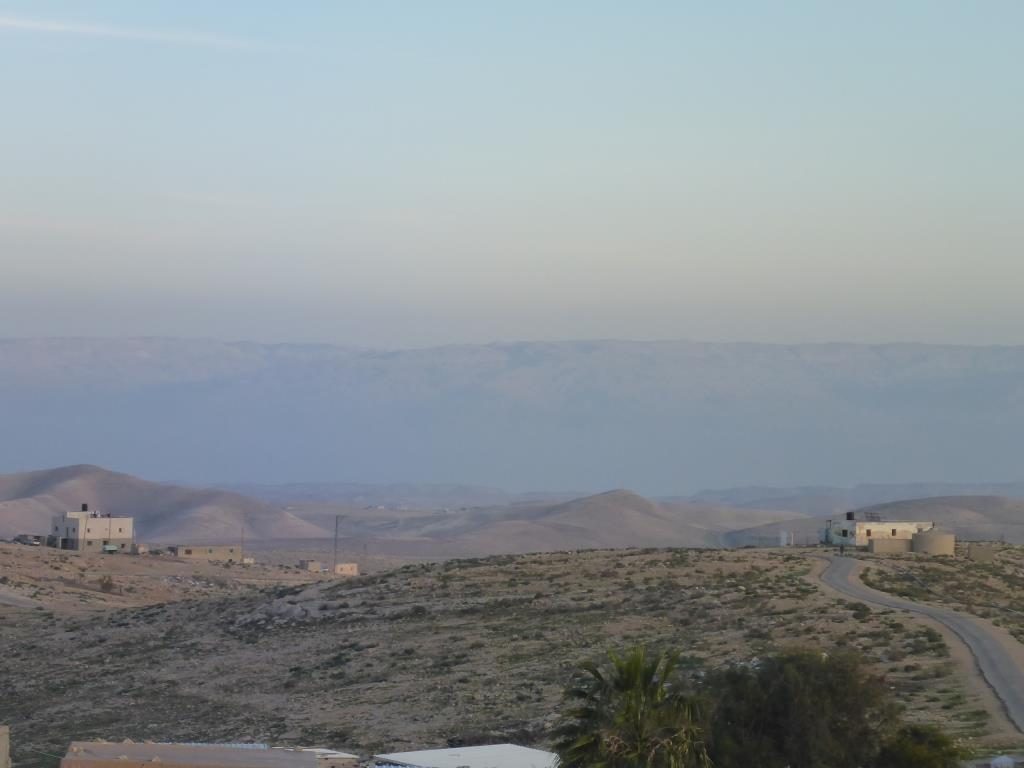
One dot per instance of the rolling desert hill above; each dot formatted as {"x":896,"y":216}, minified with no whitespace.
{"x":168,"y":513}
{"x":820,"y":500}
{"x":618,"y":518}
{"x":162,"y":512}
{"x":972,"y":518}
{"x":393,"y":495}
{"x":665,"y":418}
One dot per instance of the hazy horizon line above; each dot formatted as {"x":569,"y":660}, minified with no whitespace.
{"x":514,"y":342}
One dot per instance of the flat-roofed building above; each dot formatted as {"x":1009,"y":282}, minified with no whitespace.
{"x":107,"y":754}
{"x":87,"y":531}
{"x":346,"y":569}
{"x":225,"y":553}
{"x":489,"y":756}
{"x":860,"y":533}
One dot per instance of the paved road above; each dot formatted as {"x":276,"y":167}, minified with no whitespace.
{"x":998,"y":666}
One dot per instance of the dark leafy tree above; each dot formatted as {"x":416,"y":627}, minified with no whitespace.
{"x":632,"y":713}
{"x":798,"y":710}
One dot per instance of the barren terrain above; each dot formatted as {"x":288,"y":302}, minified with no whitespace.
{"x":428,"y":654}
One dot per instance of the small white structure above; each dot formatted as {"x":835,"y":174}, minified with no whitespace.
{"x":489,"y":756}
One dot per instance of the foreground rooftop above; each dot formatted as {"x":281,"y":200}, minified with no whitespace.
{"x":490,"y":756}
{"x":104,"y":754}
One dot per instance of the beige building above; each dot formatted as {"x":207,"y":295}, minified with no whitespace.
{"x":867,"y":530}
{"x":226,"y":553}
{"x":346,"y":569}
{"x":310,"y":565}
{"x":860,"y":533}
{"x":87,"y":531}
{"x":106,"y":754}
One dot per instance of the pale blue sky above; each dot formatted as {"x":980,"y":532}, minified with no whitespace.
{"x":410,"y":173}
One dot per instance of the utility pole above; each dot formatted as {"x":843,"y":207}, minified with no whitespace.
{"x":334,"y":566}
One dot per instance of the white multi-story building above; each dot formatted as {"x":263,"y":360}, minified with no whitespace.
{"x":860,"y":533}
{"x":92,"y":532}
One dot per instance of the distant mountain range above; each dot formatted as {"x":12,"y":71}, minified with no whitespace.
{"x":665,"y":418}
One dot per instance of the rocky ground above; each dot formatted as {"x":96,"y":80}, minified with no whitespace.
{"x":991,"y":590}
{"x":430,"y":654}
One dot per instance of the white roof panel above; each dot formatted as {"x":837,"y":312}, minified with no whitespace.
{"x":490,"y":756}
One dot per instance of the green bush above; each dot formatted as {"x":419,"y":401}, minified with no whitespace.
{"x":918,"y":746}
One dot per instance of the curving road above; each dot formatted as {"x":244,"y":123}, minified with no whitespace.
{"x":991,"y":651}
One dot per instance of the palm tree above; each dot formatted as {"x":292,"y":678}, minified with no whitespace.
{"x":632,"y":713}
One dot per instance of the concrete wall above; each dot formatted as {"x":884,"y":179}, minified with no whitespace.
{"x":889,"y":546}
{"x":981,"y":553}
{"x":310,"y":565}
{"x":224,"y":553}
{"x":5,"y":746}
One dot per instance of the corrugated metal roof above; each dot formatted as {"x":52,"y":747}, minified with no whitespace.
{"x":489,"y":756}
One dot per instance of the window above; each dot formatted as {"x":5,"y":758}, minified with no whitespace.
{"x":88,"y":542}
{"x":209,"y":551}
{"x":88,"y":530}
{"x":869,"y":533}
{"x":119,"y":530}
{"x":845,"y":533}
{"x":188,"y":551}
{"x":893,"y":531}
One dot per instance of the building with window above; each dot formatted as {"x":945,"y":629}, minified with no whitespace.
{"x":225,"y":553}
{"x":87,"y":531}
{"x":851,"y":532}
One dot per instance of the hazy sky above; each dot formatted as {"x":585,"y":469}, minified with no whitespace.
{"x":408,"y":173}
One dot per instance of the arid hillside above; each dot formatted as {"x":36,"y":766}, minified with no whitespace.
{"x":162,"y":512}
{"x":460,"y":652}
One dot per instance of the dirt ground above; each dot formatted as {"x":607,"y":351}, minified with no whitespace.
{"x":68,"y":582}
{"x":422,"y":655}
